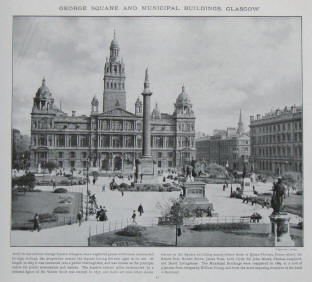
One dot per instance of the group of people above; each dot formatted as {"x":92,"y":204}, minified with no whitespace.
{"x":101,"y":214}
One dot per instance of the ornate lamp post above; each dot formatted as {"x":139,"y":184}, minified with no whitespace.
{"x":87,"y":204}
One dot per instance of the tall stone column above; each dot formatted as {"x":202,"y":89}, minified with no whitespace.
{"x":146,"y":152}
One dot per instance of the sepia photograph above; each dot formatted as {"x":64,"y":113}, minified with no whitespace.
{"x":157,"y":132}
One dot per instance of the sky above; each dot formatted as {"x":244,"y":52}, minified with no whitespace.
{"x":225,"y":63}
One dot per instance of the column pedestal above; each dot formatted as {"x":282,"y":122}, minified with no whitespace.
{"x":146,"y":171}
{"x":280,"y":230}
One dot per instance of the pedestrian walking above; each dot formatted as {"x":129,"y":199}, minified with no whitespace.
{"x":103,"y":188}
{"x":209,"y":212}
{"x":140,"y":209}
{"x":54,"y":185}
{"x":133,"y":217}
{"x":79,"y":217}
{"x":36,"y":223}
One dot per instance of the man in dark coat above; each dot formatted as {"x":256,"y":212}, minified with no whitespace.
{"x":140,"y":209}
{"x":36,"y":223}
{"x":79,"y":217}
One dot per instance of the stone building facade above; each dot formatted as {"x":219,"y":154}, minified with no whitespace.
{"x":231,"y":146}
{"x":276,"y":141}
{"x":110,"y":140}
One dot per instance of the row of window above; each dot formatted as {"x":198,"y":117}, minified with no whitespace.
{"x":186,"y":127}
{"x":116,"y":141}
{"x":115,"y":68}
{"x":277,"y":151}
{"x":115,"y":85}
{"x":268,"y":166}
{"x":72,"y":155}
{"x":60,"y":164}
{"x":164,"y":155}
{"x":278,"y":127}
{"x":284,"y":137}
{"x":47,"y":124}
{"x":117,"y":125}
{"x":42,"y":124}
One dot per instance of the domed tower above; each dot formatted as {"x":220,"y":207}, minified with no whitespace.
{"x":114,"y":79}
{"x":185,"y":129}
{"x":94,"y":105}
{"x":183,"y":105}
{"x":42,"y":122}
{"x":138,"y":107}
{"x":156,"y":112}
{"x":43,"y":100}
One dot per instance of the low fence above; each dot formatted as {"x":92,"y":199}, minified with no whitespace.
{"x":100,"y":227}
{"x":59,"y":220}
{"x":116,"y":225}
{"x":217,"y":219}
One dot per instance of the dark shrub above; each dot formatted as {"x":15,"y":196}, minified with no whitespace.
{"x":27,"y":180}
{"x":124,"y":186}
{"x":67,"y":200}
{"x":131,"y":230}
{"x":47,"y":217}
{"x":221,"y":226}
{"x":61,"y":210}
{"x":60,"y":190}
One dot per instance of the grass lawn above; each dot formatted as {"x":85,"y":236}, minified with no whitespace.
{"x":255,"y":236}
{"x":24,"y":208}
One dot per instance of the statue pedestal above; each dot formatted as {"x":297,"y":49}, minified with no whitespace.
{"x":146,"y":171}
{"x":194,"y":196}
{"x":280,"y":230}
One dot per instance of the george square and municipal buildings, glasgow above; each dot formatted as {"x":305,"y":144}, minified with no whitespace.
{"x":111,"y":139}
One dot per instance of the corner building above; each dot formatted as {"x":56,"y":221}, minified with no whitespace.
{"x":110,"y":140}
{"x":276,"y":141}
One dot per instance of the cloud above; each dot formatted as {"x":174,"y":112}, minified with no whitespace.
{"x":226,"y":64}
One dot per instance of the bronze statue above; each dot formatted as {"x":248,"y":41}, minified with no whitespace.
{"x":278,"y":196}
